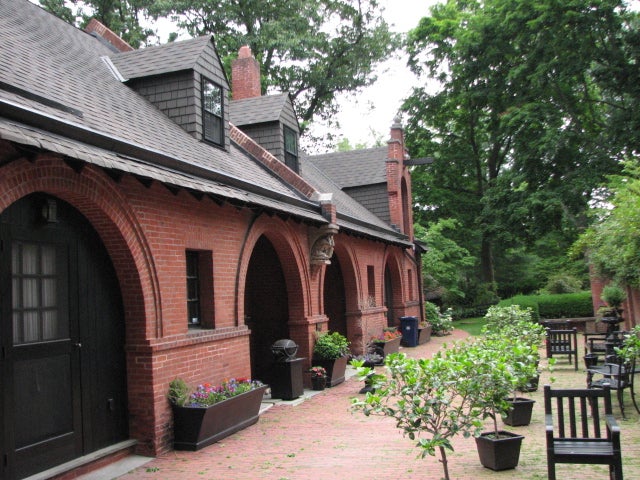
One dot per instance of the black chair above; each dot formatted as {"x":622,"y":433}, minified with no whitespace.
{"x":574,"y":429}
{"x":617,"y":375}
{"x":563,"y":342}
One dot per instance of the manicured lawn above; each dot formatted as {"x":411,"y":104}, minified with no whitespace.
{"x":473,"y":326}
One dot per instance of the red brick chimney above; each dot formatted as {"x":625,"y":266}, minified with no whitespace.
{"x":245,"y":75}
{"x":99,"y":29}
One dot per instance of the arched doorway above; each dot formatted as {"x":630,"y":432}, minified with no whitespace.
{"x":64,"y":370}
{"x":388,"y":297}
{"x":265,"y":306}
{"x":335,"y":303}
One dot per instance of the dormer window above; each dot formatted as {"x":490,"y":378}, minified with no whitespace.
{"x":291,"y":149}
{"x":212,"y":114}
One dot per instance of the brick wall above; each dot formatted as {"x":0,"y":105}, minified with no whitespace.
{"x":146,"y":230}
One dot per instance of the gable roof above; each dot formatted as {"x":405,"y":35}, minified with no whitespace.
{"x":54,"y":78}
{"x":354,"y":168}
{"x":58,"y":92}
{"x":167,"y":58}
{"x":251,"y":111}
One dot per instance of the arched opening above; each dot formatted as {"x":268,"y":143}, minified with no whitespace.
{"x":335,"y":302}
{"x":265,"y":306}
{"x":63,"y":331}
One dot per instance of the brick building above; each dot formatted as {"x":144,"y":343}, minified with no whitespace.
{"x":153,"y":227}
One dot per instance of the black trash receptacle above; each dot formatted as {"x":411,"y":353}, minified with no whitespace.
{"x":287,"y":371}
{"x":409,"y":329}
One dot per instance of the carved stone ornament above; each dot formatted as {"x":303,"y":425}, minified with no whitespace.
{"x":322,"y":248}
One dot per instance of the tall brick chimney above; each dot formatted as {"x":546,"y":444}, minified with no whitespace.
{"x":245,"y":75}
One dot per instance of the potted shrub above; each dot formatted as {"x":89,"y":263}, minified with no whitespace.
{"x":331,"y":352}
{"x":388,"y":342}
{"x":209,"y":413}
{"x":614,"y":296}
{"x":494,"y":380}
{"x":430,"y":399}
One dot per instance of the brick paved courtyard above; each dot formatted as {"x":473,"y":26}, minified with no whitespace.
{"x":320,"y":438}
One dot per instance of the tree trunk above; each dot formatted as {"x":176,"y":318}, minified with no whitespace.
{"x":445,"y":464}
{"x":486,"y":262}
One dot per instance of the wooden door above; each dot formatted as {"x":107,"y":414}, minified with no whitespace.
{"x":59,"y":305}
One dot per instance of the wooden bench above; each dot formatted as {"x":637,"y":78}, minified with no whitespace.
{"x":575,"y":426}
{"x":563,"y":342}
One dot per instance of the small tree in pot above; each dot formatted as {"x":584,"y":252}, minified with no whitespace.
{"x":432,"y":400}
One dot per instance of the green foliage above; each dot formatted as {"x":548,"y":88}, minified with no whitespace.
{"x":521,"y":140}
{"x":563,"y":283}
{"x":612,"y":244}
{"x":434,"y":399}
{"x":568,"y":305}
{"x":178,"y":392}
{"x":613,"y":295}
{"x":330,"y":346}
{"x":441,"y":323}
{"x":123,"y":16}
{"x":444,"y":262}
{"x":630,"y":348}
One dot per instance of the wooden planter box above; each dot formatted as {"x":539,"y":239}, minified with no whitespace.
{"x":424,"y":334}
{"x":390,"y":346}
{"x":336,"y":369}
{"x":197,"y":427}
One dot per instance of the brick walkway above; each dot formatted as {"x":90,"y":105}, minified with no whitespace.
{"x":321,"y":438}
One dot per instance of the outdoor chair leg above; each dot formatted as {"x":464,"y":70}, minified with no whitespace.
{"x":551,"y":470}
{"x":633,"y":399}
{"x":621,"y":402}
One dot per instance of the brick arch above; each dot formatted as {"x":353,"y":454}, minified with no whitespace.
{"x":293,"y":258}
{"x":393,"y":268}
{"x":349,"y":266}
{"x":96,"y":196}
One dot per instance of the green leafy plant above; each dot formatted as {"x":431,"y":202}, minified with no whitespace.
{"x":613,"y":295}
{"x":178,"y":392}
{"x":441,"y":323}
{"x":432,"y":400}
{"x":330,"y":346}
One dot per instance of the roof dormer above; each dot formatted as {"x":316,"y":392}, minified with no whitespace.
{"x":186,"y":81}
{"x":270,"y":120}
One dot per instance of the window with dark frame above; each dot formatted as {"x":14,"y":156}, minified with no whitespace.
{"x":291,"y":149}
{"x":200,"y":297}
{"x":212,"y":112}
{"x":193,"y":289}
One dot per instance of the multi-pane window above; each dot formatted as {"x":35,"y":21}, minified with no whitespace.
{"x":200,"y":311}
{"x":291,"y":149}
{"x":212,"y":112}
{"x":35,"y":305}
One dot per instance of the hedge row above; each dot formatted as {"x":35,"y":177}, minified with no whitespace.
{"x":565,"y":305}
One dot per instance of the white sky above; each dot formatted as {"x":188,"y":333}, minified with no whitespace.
{"x":370,"y":115}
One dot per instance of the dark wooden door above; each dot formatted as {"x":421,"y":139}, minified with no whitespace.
{"x":59,"y":305}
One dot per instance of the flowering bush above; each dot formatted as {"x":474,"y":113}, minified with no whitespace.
{"x":206,"y":394}
{"x":388,"y":333}
{"x":318,"y":372}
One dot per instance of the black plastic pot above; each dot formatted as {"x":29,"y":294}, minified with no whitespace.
{"x":502,"y":453}
{"x":520,"y":412}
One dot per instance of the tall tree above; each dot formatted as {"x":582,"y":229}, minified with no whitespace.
{"x":122,"y":16}
{"x":312,"y":49}
{"x":519,"y":127}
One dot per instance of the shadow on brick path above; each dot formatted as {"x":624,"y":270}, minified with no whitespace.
{"x":321,"y":438}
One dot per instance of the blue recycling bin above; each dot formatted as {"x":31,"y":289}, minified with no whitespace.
{"x":409,"y":328}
